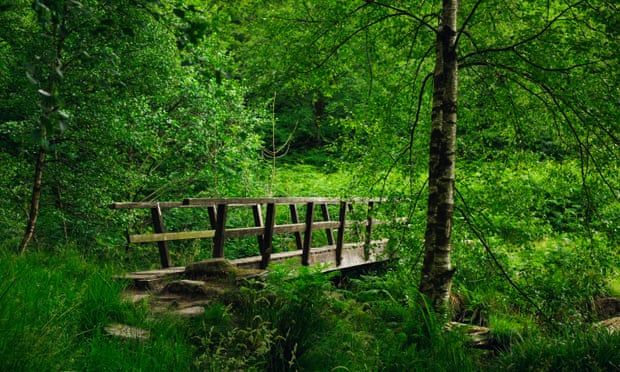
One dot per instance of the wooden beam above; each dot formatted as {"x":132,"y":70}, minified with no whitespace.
{"x":147,"y":205}
{"x":295,"y":220}
{"x":368,"y":230}
{"x":182,"y":235}
{"x":218,"y":239}
{"x":328,"y":231}
{"x":342,"y":217}
{"x":305,"y":255}
{"x":270,"y":220}
{"x":158,"y":227}
{"x":258,"y":222}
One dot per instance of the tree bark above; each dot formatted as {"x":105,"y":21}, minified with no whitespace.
{"x":436,"y":276}
{"x":35,"y":199}
{"x":49,"y":104}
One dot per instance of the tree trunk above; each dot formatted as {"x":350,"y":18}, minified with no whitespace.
{"x":35,"y":199}
{"x":436,"y":277}
{"x":53,"y":17}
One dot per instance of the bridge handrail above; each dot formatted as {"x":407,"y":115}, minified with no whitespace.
{"x":264,"y":229}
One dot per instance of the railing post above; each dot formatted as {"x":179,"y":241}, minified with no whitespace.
{"x":305,"y":254}
{"x":340,"y":238}
{"x":328,"y":232}
{"x":220,"y":227}
{"x":270,"y":220}
{"x":258,"y":222}
{"x":212,"y":216}
{"x":368,"y":230}
{"x":295,"y":219}
{"x":158,"y":227}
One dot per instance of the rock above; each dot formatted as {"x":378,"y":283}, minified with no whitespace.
{"x":213,"y":268}
{"x":612,"y":324}
{"x":190,"y":312}
{"x":476,"y":336}
{"x":135,"y":298}
{"x":193,"y":288}
{"x":606,"y":307}
{"x":128,"y":332}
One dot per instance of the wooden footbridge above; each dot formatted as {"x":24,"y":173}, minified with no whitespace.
{"x":343,"y":250}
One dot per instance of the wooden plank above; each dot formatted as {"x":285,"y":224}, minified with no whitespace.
{"x":305,"y":255}
{"x":239,"y":232}
{"x":328,"y":231}
{"x":270,"y":220}
{"x":250,"y":201}
{"x":182,"y":235}
{"x":244,"y":232}
{"x":148,"y":205}
{"x":158,"y":227}
{"x":212,"y":217}
{"x":300,"y":227}
{"x":290,"y":228}
{"x":218,"y":239}
{"x":258,"y":222}
{"x":237,"y":202}
{"x":369,"y":219}
{"x":340,"y":238}
{"x":295,"y":220}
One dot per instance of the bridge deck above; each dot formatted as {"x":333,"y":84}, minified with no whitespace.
{"x":353,"y":255}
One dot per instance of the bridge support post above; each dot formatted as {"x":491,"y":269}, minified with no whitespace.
{"x":270,"y":220}
{"x":305,"y":255}
{"x":158,"y":227}
{"x":342,"y":217}
{"x":220,"y":227}
{"x":295,"y":219}
{"x":368,"y":230}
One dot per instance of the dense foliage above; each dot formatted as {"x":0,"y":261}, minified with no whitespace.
{"x":148,"y":100}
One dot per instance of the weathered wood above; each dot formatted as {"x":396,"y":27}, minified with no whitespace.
{"x":146,"y":205}
{"x":251,"y":201}
{"x":340,"y":238}
{"x":238,"y":232}
{"x":328,"y":231}
{"x":307,"y":234}
{"x":181,"y":235}
{"x":263,"y":230}
{"x":258,"y":222}
{"x":270,"y":220}
{"x":369,"y":219}
{"x":236,"y":202}
{"x":218,"y":239}
{"x":212,"y":217}
{"x":158,"y":227}
{"x":295,"y":220}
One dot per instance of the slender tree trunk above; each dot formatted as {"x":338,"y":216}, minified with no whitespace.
{"x":53,"y":17}
{"x":436,"y":279}
{"x":35,"y":199}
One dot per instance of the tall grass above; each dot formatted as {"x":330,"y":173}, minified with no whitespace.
{"x":596,"y":350}
{"x":53,"y":309}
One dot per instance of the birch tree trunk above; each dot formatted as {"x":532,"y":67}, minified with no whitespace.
{"x":436,"y":277}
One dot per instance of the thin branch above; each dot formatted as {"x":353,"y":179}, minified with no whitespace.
{"x":408,"y":14}
{"x":347,"y":38}
{"x":487,"y":248}
{"x":469,"y":17}
{"x":523,"y":41}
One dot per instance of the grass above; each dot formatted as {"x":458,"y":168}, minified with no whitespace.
{"x":54,"y":305}
{"x":53,"y":309}
{"x":52,"y":312}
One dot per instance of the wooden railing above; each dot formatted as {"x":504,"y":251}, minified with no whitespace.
{"x":264,"y":228}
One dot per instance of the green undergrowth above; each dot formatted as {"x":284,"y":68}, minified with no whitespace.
{"x":54,"y":309}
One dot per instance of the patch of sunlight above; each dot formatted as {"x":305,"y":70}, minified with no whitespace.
{"x":614,"y":286}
